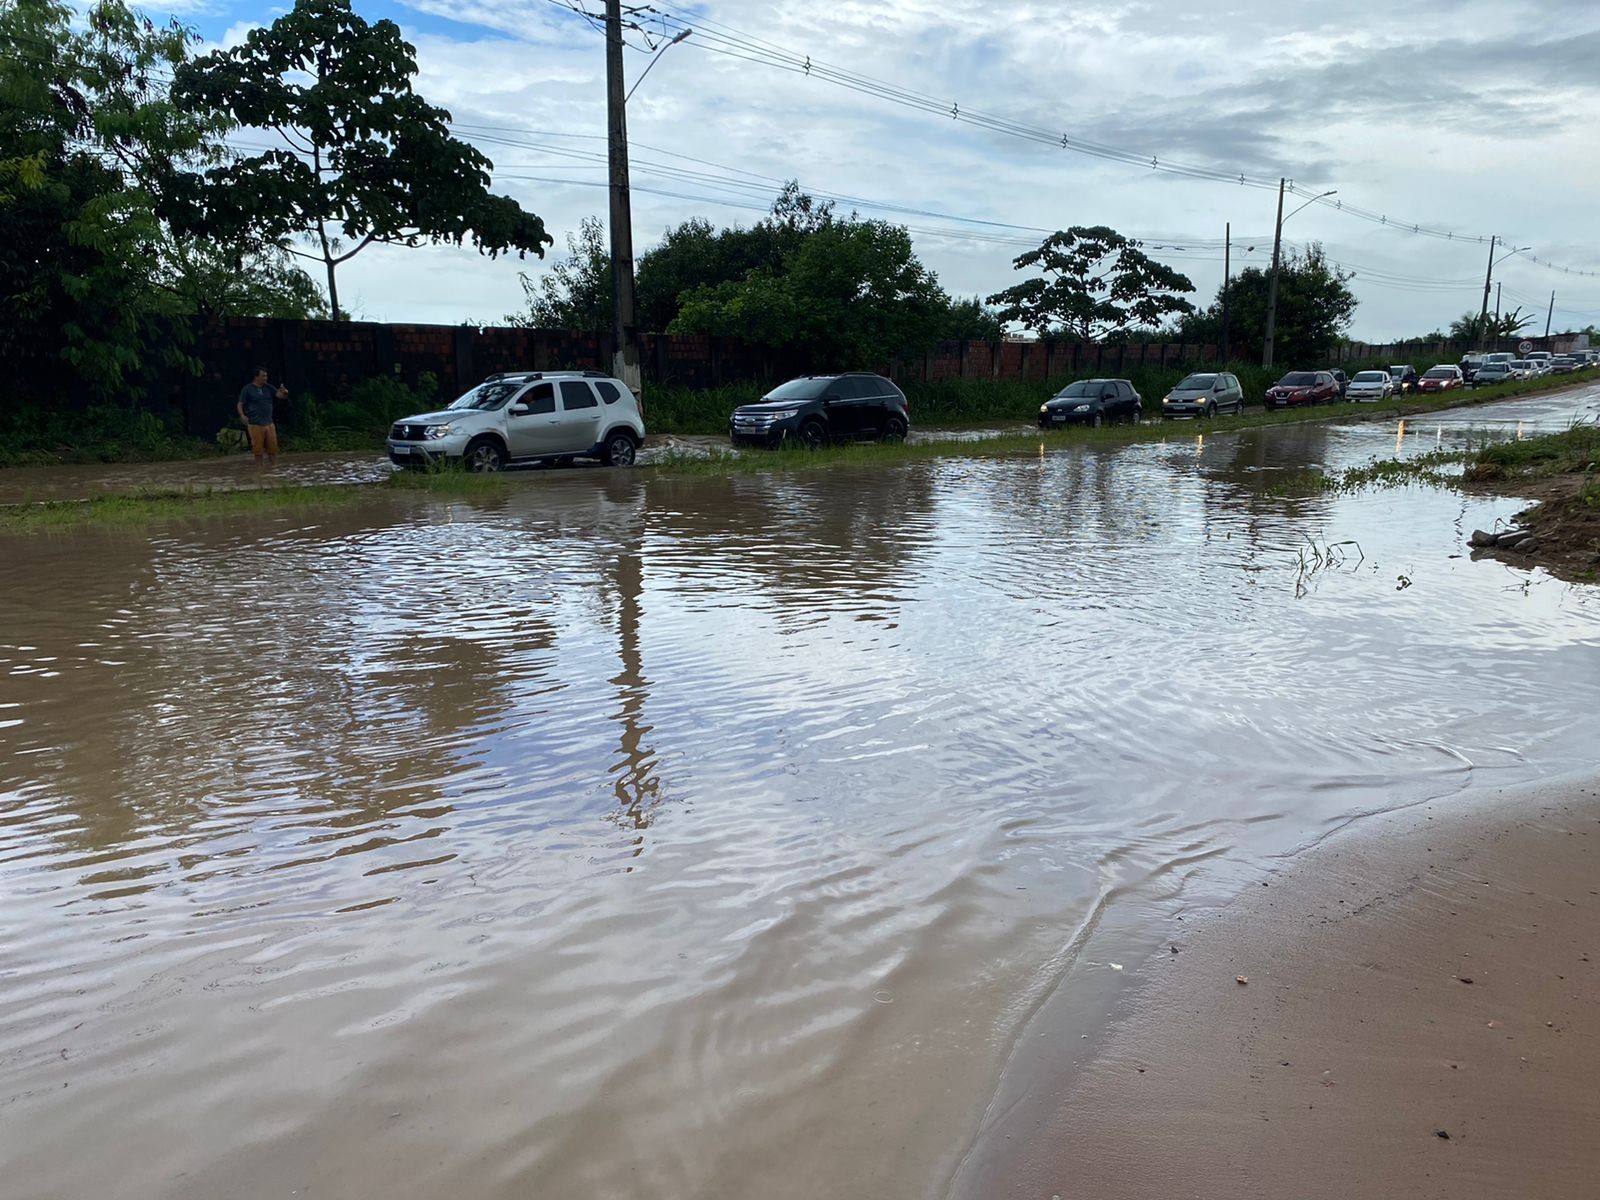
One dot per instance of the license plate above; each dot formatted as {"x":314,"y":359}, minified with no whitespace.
{"x":1057,"y":418}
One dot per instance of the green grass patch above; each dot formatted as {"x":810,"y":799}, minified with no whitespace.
{"x":156,"y":505}
{"x":1573,"y":450}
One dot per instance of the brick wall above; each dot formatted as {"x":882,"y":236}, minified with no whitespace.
{"x":325,"y":358}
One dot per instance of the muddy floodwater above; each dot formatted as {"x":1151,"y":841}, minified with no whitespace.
{"x":631,"y":835}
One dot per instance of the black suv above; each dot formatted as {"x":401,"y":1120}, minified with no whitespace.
{"x":819,"y":409}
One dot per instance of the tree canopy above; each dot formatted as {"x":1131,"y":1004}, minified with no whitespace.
{"x":364,"y":158}
{"x":1315,"y":307}
{"x":1500,"y":326}
{"x":850,"y":291}
{"x":82,"y":121}
{"x":574,"y":293}
{"x":1093,"y":282}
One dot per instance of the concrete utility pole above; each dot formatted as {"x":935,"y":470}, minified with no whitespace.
{"x":1483,"y":317}
{"x":1548,"y":316}
{"x":1497,"y":307}
{"x":1227,"y":250}
{"x":1272,"y":287}
{"x":625,"y":355}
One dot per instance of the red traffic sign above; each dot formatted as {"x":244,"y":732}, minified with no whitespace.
{"x":1524,"y":347}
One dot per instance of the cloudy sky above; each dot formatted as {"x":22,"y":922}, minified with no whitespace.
{"x":1464,"y":117}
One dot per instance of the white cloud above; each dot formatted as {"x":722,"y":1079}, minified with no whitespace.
{"x":1474,"y":129}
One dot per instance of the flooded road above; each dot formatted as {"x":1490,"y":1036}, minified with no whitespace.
{"x":624,"y":835}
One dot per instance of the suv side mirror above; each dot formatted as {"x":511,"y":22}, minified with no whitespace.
{"x":519,"y":410}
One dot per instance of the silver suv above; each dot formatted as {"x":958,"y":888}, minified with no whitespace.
{"x":525,"y":417}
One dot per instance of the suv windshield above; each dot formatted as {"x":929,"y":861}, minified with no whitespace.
{"x":799,"y":389}
{"x":1196,"y":383}
{"x":1297,"y":379}
{"x":1083,"y":388}
{"x":487,"y":397}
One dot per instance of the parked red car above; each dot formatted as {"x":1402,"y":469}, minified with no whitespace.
{"x":1302,"y":387}
{"x":1442,"y":378}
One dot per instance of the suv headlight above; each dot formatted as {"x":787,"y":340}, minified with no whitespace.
{"x":436,"y":431}
{"x":784,"y":414}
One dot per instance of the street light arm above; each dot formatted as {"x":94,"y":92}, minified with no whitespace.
{"x":655,"y":58}
{"x":1313,"y":200}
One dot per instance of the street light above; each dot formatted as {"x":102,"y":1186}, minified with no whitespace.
{"x":1272,"y":288}
{"x":1483,"y":316}
{"x":654,"y":59}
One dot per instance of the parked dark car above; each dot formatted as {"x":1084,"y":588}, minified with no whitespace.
{"x":819,"y":409}
{"x":1092,"y":402}
{"x":1302,"y":387}
{"x":1405,"y":379}
{"x":1564,"y":364}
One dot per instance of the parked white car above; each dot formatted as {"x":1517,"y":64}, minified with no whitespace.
{"x":1521,"y":368}
{"x":526,"y":417}
{"x":1370,"y":387}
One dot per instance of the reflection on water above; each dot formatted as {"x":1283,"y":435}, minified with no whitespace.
{"x":625,"y":835}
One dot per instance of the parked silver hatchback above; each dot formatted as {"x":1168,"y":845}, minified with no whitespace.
{"x":526,"y":417}
{"x":1204,"y":394}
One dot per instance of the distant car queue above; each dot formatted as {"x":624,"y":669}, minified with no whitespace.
{"x":557,"y":416}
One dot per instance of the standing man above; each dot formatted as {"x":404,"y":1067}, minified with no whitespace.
{"x":255,"y":410}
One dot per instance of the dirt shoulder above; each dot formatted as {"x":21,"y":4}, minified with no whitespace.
{"x":1561,"y":472}
{"x":1421,"y":1018}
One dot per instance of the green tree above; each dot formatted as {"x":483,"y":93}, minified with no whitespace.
{"x":87,"y":140}
{"x":216,"y":281}
{"x":1094,"y":282}
{"x":695,"y":255}
{"x":851,"y":293}
{"x":1315,"y":307}
{"x":972,"y":321}
{"x":1469,"y":326}
{"x":365,"y":159}
{"x":574,"y":293}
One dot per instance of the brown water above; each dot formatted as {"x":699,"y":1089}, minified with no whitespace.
{"x":687,"y":837}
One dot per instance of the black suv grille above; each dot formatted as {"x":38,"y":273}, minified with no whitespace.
{"x":407,"y":433}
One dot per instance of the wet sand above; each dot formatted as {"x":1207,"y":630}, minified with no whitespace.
{"x":1424,"y":974}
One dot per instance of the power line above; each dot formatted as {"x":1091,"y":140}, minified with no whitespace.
{"x":721,"y":38}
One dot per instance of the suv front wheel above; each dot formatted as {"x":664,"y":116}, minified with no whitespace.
{"x":484,"y":454}
{"x":813,"y":435}
{"x":620,"y":450}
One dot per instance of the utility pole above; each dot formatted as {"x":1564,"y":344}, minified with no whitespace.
{"x":1227,"y":250}
{"x":1497,"y":310}
{"x":625,"y":354}
{"x":1483,"y":317}
{"x":1549,"y":315}
{"x":1272,"y":288}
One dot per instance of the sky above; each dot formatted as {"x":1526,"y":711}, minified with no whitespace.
{"x":1464,"y":118}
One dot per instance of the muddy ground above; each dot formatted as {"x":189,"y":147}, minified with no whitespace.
{"x":1566,"y":524}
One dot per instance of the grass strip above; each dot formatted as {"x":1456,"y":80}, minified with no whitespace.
{"x":154,"y":505}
